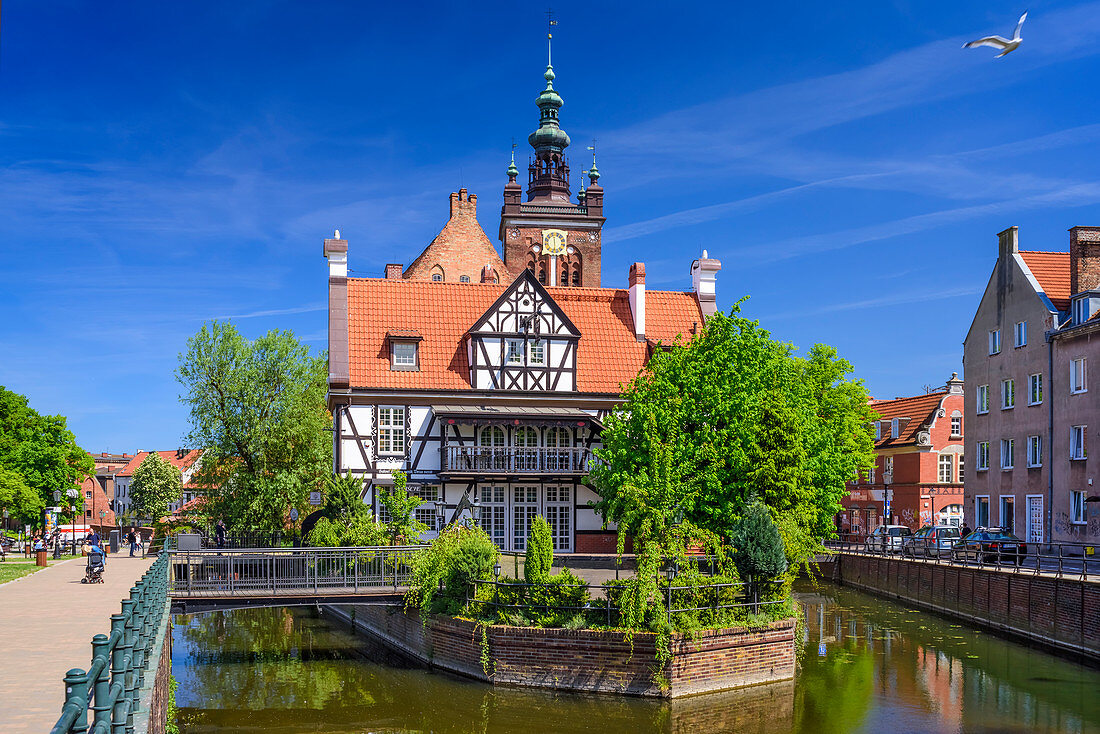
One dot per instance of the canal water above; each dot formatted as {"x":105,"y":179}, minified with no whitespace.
{"x":869,"y":666}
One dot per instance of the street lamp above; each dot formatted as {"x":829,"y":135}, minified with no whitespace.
{"x":440,"y":515}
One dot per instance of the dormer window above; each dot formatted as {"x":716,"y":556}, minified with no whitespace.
{"x":1085,"y":306}
{"x":464,"y":279}
{"x":404,"y":349}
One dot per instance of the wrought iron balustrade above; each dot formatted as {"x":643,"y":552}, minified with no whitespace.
{"x":516,"y":460}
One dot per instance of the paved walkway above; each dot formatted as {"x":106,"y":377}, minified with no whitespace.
{"x":47,"y":621}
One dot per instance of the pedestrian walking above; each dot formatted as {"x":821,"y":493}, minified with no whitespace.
{"x":132,"y":539}
{"x":965,"y":530}
{"x":219,"y":533}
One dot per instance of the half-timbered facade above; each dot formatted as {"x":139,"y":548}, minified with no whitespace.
{"x":493,"y":387}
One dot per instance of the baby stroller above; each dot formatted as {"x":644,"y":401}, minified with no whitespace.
{"x":93,"y":572}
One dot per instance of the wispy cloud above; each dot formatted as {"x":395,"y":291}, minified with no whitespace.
{"x":897,"y":300}
{"x":276,"y":312}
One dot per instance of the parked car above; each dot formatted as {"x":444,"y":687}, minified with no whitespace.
{"x":932,"y":541}
{"x":990,"y":545}
{"x":888,"y":538}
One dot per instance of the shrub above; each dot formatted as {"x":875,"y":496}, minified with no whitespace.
{"x":757,"y":548}
{"x":456,"y":557}
{"x":540,"y":552}
{"x":554,"y":602}
{"x":361,"y":530}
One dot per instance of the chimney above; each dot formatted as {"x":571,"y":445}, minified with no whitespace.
{"x":954,"y":385}
{"x":704,"y":271}
{"x":463,"y":202}
{"x":336,"y":251}
{"x":1008,"y":242}
{"x":394,"y":270}
{"x":487,"y":274}
{"x":1084,"y":259}
{"x":637,"y":299}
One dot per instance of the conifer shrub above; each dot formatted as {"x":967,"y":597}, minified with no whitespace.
{"x":540,"y":552}
{"x":757,"y":547}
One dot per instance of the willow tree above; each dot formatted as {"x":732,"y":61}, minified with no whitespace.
{"x":736,"y":414}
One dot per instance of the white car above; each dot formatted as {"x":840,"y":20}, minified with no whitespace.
{"x":888,"y":538}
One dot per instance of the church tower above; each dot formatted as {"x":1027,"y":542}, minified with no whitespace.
{"x":550,"y":234}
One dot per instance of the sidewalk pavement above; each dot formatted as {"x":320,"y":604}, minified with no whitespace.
{"x":47,"y":621}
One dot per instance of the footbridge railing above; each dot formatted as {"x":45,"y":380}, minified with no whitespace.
{"x":111,"y":688}
{"x":278,"y":572}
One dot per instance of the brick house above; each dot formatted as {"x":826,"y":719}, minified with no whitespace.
{"x":919,"y":464}
{"x":1026,"y":357}
{"x":98,"y":490}
{"x":492,"y":388}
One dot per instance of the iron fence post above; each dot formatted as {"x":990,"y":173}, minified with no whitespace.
{"x":129,"y":682}
{"x":76,"y":694}
{"x":118,"y":673}
{"x":100,"y":647}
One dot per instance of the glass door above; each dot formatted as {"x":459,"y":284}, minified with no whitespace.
{"x":1035,"y":518}
{"x":494,"y":513}
{"x":525,"y":505}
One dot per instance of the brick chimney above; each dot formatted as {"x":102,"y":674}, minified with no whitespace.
{"x":1084,"y":259}
{"x":704,"y":273}
{"x":336,"y":252}
{"x":464,"y":202}
{"x":487,"y":274}
{"x":394,"y":270}
{"x":1008,"y":242}
{"x":637,"y":299}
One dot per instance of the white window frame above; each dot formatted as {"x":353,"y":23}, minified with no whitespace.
{"x":404,"y":362}
{"x":1008,"y":451}
{"x":536,"y":352}
{"x":1078,"y":374}
{"x":983,"y":399}
{"x":888,"y":465}
{"x":464,"y":279}
{"x":1034,"y":451}
{"x":956,"y":426}
{"x":1078,"y":443}
{"x":994,"y":342}
{"x":977,"y":514}
{"x":437,"y":277}
{"x":878,"y":430}
{"x":1035,"y":389}
{"x":391,"y":433}
{"x":959,"y":469}
{"x":894,"y":428}
{"x":1081,"y":310}
{"x":513,"y":351}
{"x":983,"y":456}
{"x":1001,"y":512}
{"x":1008,"y":394}
{"x":1077,"y":507}
{"x":946,"y":467}
{"x":1020,"y":333}
{"x":871,"y":475}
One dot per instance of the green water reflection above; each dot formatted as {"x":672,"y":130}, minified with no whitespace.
{"x":884,"y":669}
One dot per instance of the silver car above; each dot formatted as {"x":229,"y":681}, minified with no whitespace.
{"x":888,"y":538}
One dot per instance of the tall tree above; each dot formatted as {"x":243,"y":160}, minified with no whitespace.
{"x":23,"y":504}
{"x":258,"y":412}
{"x":155,"y":484}
{"x":40,"y":449}
{"x":740,"y":415}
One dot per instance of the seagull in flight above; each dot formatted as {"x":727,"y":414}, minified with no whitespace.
{"x":1006,"y":45}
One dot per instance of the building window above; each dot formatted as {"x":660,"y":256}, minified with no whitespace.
{"x":995,"y":341}
{"x":464,"y":279}
{"x":1008,"y":513}
{"x":1035,"y":389}
{"x":894,"y":432}
{"x":981,"y":512}
{"x":1008,"y":394}
{"x":871,"y":475}
{"x":1078,"y":450}
{"x":946,"y":473}
{"x":956,"y":426}
{"x":404,"y":355}
{"x":437,"y":277}
{"x":1034,"y":451}
{"x":88,"y":494}
{"x":515,"y":352}
{"x":1008,"y":447}
{"x":536,"y":352}
{"x":1080,"y":310}
{"x":961,"y":474}
{"x":983,"y":455}
{"x":391,"y":431}
{"x":1077,"y":506}
{"x":888,"y":466}
{"x":1021,"y":334}
{"x":983,"y":398}
{"x":878,"y":430}
{"x":1077,"y":376}
{"x":425,"y":513}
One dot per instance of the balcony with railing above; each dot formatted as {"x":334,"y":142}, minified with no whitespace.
{"x":515,"y":460}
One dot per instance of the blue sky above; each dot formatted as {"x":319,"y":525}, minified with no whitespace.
{"x":163,"y":164}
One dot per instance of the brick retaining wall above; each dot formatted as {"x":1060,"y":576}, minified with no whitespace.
{"x":1061,"y":613}
{"x":584,"y":660}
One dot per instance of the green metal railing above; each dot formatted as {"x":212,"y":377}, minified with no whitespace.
{"x":110,"y":689}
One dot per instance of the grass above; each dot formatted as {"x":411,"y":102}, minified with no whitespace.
{"x":16,"y":566}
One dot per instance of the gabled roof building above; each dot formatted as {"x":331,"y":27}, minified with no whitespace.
{"x":486,"y":377}
{"x":1028,"y":409}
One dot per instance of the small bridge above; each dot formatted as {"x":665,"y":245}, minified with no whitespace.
{"x":207,"y":580}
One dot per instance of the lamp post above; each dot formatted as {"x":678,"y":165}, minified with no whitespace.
{"x":440,"y":516}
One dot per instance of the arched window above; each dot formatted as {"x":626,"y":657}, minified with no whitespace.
{"x":557,"y":449}
{"x":492,"y":453}
{"x":565,"y":274}
{"x":464,"y":279}
{"x":577,"y":274}
{"x":437,"y":274}
{"x":542,"y":272}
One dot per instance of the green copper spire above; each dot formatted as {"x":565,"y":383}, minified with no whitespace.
{"x":549,"y":135}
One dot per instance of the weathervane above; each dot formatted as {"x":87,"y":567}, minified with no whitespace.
{"x":593,"y":149}
{"x":549,"y":22}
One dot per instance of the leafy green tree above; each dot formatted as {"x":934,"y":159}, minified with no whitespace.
{"x":540,"y":552}
{"x":349,"y":531}
{"x":258,"y":411}
{"x":41,"y":449}
{"x":155,"y":484}
{"x":23,"y":504}
{"x":401,"y":507}
{"x":344,"y":497}
{"x":757,"y":548}
{"x":738,"y":415}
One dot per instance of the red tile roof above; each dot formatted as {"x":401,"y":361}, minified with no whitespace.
{"x":918,"y":409}
{"x":170,"y":456}
{"x":608,"y":352}
{"x":1051,"y":269}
